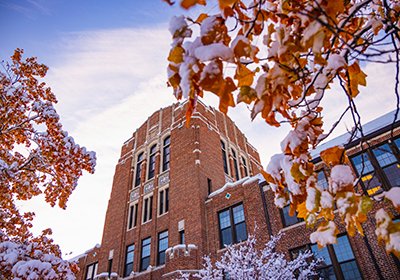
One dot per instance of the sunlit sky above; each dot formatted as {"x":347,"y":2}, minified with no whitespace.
{"x":107,"y":63}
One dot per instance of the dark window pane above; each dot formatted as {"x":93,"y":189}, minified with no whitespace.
{"x":138,"y":169}
{"x":287,"y":219}
{"x":321,"y":253}
{"x":362,"y":164}
{"x":246,"y":172}
{"x":327,"y":273}
{"x":224,"y":219}
{"x":161,"y":258}
{"x":182,"y":237}
{"x":144,"y":264}
{"x":372,"y":184}
{"x":238,"y":214}
{"x":241,"y":233}
{"x":322,"y":182}
{"x":392,"y":173}
{"x":128,"y":269}
{"x":224,"y":160}
{"x":384,"y":155}
{"x":226,"y":235}
{"x":166,"y":200}
{"x":145,"y":254}
{"x":162,"y":246}
{"x":342,"y":249}
{"x":235,"y":165}
{"x":350,"y":270}
{"x":152,"y":161}
{"x":161,"y":206}
{"x":166,"y":154}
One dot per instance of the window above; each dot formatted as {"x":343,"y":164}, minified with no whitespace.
{"x":139,"y":162}
{"x":209,"y":186}
{"x":132,"y":216}
{"x":232,"y":225}
{"x":166,"y":153}
{"x":321,"y":180}
{"x":182,"y":237}
{"x":337,"y":259}
{"x":245,"y":170}
{"x":235,"y":164}
{"x":109,"y":268}
{"x":147,"y":208}
{"x":145,"y":254}
{"x":162,"y":247}
{"x":163,"y":203}
{"x":152,"y":162}
{"x":378,"y":167}
{"x":224,"y":160}
{"x":129,"y":256}
{"x":287,"y":219}
{"x":91,"y":271}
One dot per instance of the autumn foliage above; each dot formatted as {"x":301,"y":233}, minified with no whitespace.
{"x":36,"y":158}
{"x":280,"y":57}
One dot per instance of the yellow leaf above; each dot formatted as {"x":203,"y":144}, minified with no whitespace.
{"x":244,"y":76}
{"x":302,"y":210}
{"x":176,"y":54}
{"x":333,"y":156}
{"x":246,"y":95}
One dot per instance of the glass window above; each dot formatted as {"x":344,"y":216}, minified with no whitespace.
{"x":232,"y":225}
{"x":224,"y":160}
{"x":138,"y":169}
{"x":152,"y":162}
{"x":287,"y":219}
{"x":163,"y":204}
{"x":162,"y":247}
{"x":91,"y":271}
{"x":235,"y":164}
{"x":166,"y":153}
{"x":388,"y":162}
{"x":246,"y":171}
{"x":145,"y":254}
{"x":129,"y":257}
{"x":182,"y":237}
{"x":147,"y":208}
{"x":132,"y":218}
{"x":365,"y":169}
{"x":321,"y":180}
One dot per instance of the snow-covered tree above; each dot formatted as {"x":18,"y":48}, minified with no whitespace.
{"x":281,"y":57}
{"x":36,"y":157}
{"x":245,"y":261}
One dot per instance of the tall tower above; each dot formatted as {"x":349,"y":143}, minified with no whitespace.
{"x":162,"y":182}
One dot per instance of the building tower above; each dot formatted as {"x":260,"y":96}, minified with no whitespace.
{"x":160,"y":195}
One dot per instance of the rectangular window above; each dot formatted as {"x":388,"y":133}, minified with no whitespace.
{"x":138,"y":169}
{"x":232,"y":225}
{"x":152,"y":162}
{"x":321,"y":180}
{"x":147,"y":209}
{"x":132,"y":216}
{"x":163,"y":203}
{"x":145,"y":254}
{"x":364,"y":168}
{"x":129,"y":257}
{"x":224,"y":159}
{"x":162,"y":247}
{"x":235,"y":164}
{"x":337,"y":259}
{"x":287,"y":219}
{"x":91,"y":271}
{"x":182,"y":237}
{"x":388,"y":162}
{"x":245,"y":169}
{"x":166,"y":153}
{"x":209,"y":185}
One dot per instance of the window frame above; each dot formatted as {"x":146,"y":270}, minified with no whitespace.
{"x":245,"y":167}
{"x":141,"y":268}
{"x":161,"y":253}
{"x":235,"y":164}
{"x":151,"y":168}
{"x":138,"y":169}
{"x":147,"y":208}
{"x":225,"y":157}
{"x":233,"y":225}
{"x":163,"y":200}
{"x":133,"y":213}
{"x":166,"y":154}
{"x":378,"y":171}
{"x":127,"y":251}
{"x":94,"y":266}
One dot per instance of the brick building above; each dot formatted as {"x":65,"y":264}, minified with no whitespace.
{"x":181,"y":192}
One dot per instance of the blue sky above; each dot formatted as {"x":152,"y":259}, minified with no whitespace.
{"x":108,"y":64}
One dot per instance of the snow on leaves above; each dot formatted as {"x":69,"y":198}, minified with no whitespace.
{"x":36,"y":157}
{"x":281,"y":57}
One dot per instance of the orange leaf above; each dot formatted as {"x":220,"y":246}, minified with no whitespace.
{"x":333,"y":156}
{"x":201,"y":17}
{"x":356,"y":77}
{"x":225,"y":95}
{"x":226,"y":3}
{"x":186,"y":4}
{"x":244,"y":76}
{"x":176,"y":54}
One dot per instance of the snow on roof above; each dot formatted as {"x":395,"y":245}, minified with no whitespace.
{"x":244,"y":181}
{"x":76,"y":258}
{"x":368,"y":128}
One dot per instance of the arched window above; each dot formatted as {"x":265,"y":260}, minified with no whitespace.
{"x":138,"y":169}
{"x":166,"y":153}
{"x":152,"y":161}
{"x":224,"y":160}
